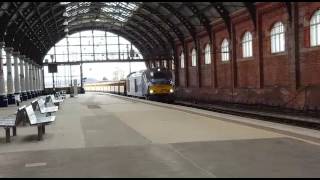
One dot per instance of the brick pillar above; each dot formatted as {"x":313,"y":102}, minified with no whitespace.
{"x":259,"y":42}
{"x":42,"y":80}
{"x":214,"y":62}
{"x":35,"y":79}
{"x":293,"y":36}
{"x":3,"y":94}
{"x":10,"y":87}
{"x":234,"y":68}
{"x":39,"y":80}
{"x":176,"y":68}
{"x":16,"y":73}
{"x":198,"y":51}
{"x":24,"y":96}
{"x":186,"y":64}
{"x":31,"y":78}
{"x":27,"y":79}
{"x":36,"y":71}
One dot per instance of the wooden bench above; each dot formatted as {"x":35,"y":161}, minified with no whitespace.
{"x":38,"y":121}
{"x":12,"y":122}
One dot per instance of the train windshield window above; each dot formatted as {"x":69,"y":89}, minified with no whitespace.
{"x":159,"y":75}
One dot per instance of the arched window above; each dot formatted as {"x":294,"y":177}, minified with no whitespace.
{"x":172,"y":64}
{"x":225,"y":50}
{"x":315,"y":29}
{"x":247,"y":45}
{"x":85,"y":47}
{"x":277,"y":38}
{"x":182,"y":60}
{"x":207,"y":54}
{"x":164,"y":63}
{"x":193,"y":57}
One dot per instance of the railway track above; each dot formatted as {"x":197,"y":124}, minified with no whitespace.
{"x":300,"y":121}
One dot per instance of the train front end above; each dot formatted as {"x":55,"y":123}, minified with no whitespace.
{"x":160,"y":85}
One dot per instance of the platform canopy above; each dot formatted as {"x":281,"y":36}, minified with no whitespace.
{"x":153,"y":27}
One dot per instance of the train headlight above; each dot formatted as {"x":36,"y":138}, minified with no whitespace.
{"x":151,"y":91}
{"x":171,"y":90}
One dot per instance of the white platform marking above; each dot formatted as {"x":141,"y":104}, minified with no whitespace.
{"x":36,"y":164}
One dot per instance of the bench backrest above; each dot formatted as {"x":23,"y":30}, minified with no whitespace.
{"x":41,"y":104}
{"x":31,"y":116}
{"x":22,"y":108}
{"x":48,"y":98}
{"x":34,"y":104}
{"x":21,"y":115}
{"x":52,"y":97}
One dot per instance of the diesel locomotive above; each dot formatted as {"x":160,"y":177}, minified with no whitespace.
{"x":153,"y":84}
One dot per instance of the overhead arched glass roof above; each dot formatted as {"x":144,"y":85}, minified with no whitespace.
{"x":112,"y":12}
{"x":153,"y":27}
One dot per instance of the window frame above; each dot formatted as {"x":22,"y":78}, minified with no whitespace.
{"x":193,"y":57}
{"x":172,"y":65}
{"x":182,"y":60}
{"x":247,"y":45}
{"x":68,"y":53}
{"x":225,"y":50}
{"x":277,"y":35}
{"x":315,"y":24}
{"x":207,"y":54}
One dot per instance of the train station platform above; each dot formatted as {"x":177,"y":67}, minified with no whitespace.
{"x":102,"y":135}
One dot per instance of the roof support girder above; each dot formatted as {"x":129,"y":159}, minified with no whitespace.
{"x":182,"y":19}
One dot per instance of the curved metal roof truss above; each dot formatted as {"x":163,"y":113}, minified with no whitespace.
{"x":153,"y":27}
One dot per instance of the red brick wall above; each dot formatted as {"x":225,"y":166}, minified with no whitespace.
{"x":275,"y":66}
{"x":181,"y":71}
{"x":247,"y":68}
{"x":223,"y":68}
{"x":277,"y":70}
{"x":193,"y":73}
{"x":206,"y":69}
{"x":309,"y":56}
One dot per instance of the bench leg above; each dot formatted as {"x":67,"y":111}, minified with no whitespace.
{"x":43,"y":129}
{"x":14,"y":131}
{"x":39,"y":132}
{"x":7,"y":135}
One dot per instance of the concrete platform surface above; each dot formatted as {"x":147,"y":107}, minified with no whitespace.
{"x":98,"y":135}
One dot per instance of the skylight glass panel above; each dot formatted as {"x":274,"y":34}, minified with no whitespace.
{"x":120,"y":11}
{"x":113,"y":12}
{"x":74,"y":9}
